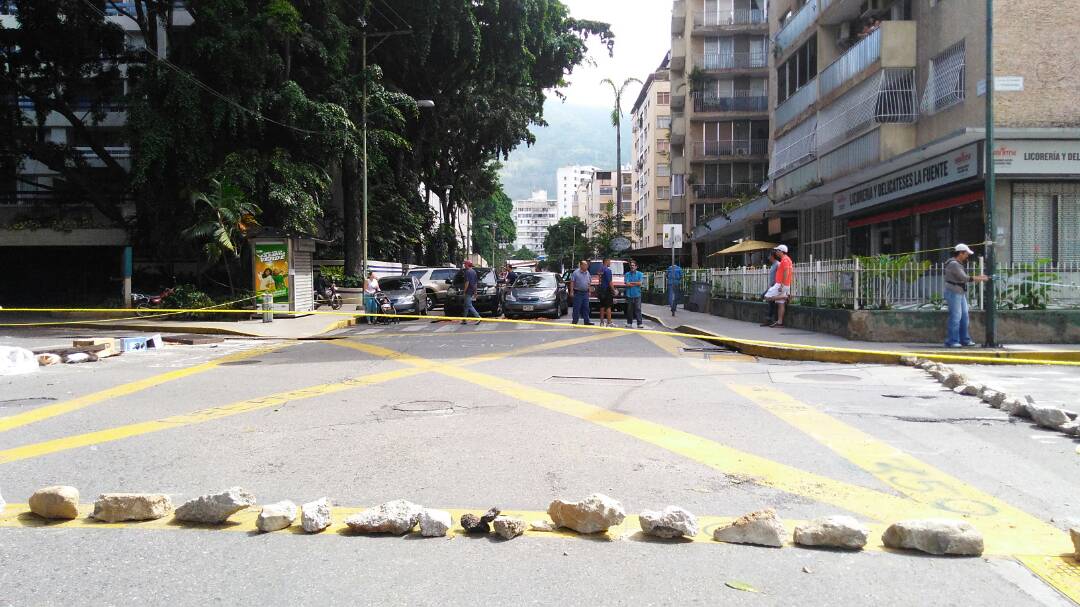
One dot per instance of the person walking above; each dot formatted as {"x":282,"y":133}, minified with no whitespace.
{"x":580,"y":282}
{"x":469,"y":293}
{"x":956,"y":284}
{"x":605,"y":293}
{"x":674,"y":283}
{"x":780,"y":292}
{"x":633,"y":280}
{"x":371,"y":287}
{"x":774,"y":264}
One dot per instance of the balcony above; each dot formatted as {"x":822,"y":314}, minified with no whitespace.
{"x":887,"y":98}
{"x":678,"y":58}
{"x":796,"y":104}
{"x":678,"y":102}
{"x":797,"y":24}
{"x":738,"y":148}
{"x":733,"y":61}
{"x":742,"y":101}
{"x":730,"y":18}
{"x":678,"y":132}
{"x":795,"y":147}
{"x":715,"y":191}
{"x":678,"y":17}
{"x":857,"y":58}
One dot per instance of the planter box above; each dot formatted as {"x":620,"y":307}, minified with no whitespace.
{"x":351,"y":296}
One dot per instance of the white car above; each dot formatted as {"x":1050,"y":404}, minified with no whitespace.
{"x":434,"y":281}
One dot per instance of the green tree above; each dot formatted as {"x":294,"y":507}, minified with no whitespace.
{"x":223,"y":216}
{"x":495,"y":209}
{"x":523,"y":253}
{"x":616,"y":121}
{"x":605,"y":230}
{"x":567,"y":242}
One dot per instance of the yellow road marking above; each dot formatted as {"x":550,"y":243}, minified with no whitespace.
{"x":254,"y":404}
{"x":53,"y":410}
{"x":459,"y":334}
{"x":1006,"y":529}
{"x":1061,"y":572}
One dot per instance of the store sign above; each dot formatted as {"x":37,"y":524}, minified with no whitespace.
{"x":272,"y":270}
{"x":941,"y":170}
{"x":1037,"y":157}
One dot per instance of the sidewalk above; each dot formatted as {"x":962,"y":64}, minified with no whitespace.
{"x":301,"y":327}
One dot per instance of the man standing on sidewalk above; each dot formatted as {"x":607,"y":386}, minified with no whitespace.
{"x":470,"y":292}
{"x":780,"y":292}
{"x":605,"y":293}
{"x":580,"y":281}
{"x":956,"y":284}
{"x":633,"y":280}
{"x":674,"y":283}
{"x":774,"y":264}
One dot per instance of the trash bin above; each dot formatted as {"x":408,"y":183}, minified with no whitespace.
{"x":699,"y":297}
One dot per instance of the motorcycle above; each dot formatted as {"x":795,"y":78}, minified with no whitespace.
{"x":145,"y":304}
{"x":332,"y":299}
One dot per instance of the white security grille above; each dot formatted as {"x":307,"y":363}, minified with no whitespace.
{"x":945,"y":80}
{"x":797,"y":145}
{"x":888,"y":98}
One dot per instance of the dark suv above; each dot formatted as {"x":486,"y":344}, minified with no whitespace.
{"x":488,"y":298}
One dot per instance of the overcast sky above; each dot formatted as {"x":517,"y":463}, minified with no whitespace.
{"x":642,"y":37}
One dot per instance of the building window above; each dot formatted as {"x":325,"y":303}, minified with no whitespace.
{"x":945,"y":80}
{"x":663,"y":170}
{"x":797,"y":71}
{"x":663,"y":98}
{"x":663,"y":146}
{"x":677,"y":185}
{"x":663,"y":122}
{"x":663,"y":193}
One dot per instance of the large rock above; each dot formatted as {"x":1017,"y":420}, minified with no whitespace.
{"x":276,"y":516}
{"x":994,"y":398}
{"x":1015,"y":407}
{"x":935,"y":536}
{"x":215,"y":508}
{"x":761,"y":528}
{"x":397,"y":517}
{"x":1074,"y":533}
{"x":117,"y":507}
{"x":508,"y":527}
{"x":472,"y":523}
{"x":315,"y":516}
{"x":58,"y":502}
{"x":1048,"y":417}
{"x":953,"y":380}
{"x":968,"y":389}
{"x":16,"y":361}
{"x":593,"y":514}
{"x":833,"y":532}
{"x":435,"y":523}
{"x":669,"y":523}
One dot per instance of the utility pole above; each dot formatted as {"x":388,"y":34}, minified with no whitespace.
{"x":990,"y":301}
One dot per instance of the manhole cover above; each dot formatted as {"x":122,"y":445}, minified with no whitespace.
{"x":600,"y":381}
{"x":832,"y":377}
{"x":425,"y":406}
{"x":235,"y":363}
{"x":25,"y":402}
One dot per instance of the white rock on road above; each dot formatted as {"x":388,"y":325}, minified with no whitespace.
{"x":1048,"y":417}
{"x":833,"y":532}
{"x":435,"y":523}
{"x":117,"y":507}
{"x":276,"y":516}
{"x":1074,"y":533}
{"x":57,"y":502}
{"x":594,"y":514}
{"x":16,"y":361}
{"x":761,"y":528}
{"x":315,"y":516}
{"x":397,"y":517}
{"x":671,"y":522}
{"x":935,"y":536}
{"x":953,"y":380}
{"x":1015,"y":407}
{"x":508,"y":527}
{"x":215,"y":508}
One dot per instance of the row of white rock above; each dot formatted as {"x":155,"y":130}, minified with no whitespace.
{"x":595,"y":514}
{"x":1054,"y":418}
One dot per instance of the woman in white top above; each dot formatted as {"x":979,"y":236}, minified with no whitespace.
{"x":371,"y":286}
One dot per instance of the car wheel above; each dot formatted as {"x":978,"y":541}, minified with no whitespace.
{"x":432,"y":301}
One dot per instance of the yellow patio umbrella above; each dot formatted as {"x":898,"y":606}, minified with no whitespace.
{"x":746,"y":246}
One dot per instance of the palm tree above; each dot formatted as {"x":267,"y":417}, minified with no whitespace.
{"x":224,"y":215}
{"x":616,"y":121}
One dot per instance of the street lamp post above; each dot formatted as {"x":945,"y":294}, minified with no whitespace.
{"x":990,"y":302}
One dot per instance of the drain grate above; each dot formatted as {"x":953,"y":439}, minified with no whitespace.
{"x":596,"y":381}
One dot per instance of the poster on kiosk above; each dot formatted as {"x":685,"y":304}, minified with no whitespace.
{"x":271,"y":264}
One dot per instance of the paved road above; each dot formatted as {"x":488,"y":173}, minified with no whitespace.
{"x":516,"y":415}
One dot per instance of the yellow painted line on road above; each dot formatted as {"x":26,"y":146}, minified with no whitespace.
{"x":1061,"y":572}
{"x":81,"y":402}
{"x":1005,"y":528}
{"x":245,"y":406}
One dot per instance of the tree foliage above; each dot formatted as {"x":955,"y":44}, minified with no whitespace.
{"x":567,"y":242}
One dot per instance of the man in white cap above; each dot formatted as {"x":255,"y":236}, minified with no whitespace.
{"x":956,"y":284}
{"x":781,"y":290}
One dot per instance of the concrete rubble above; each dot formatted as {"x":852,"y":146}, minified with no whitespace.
{"x":118,"y":507}
{"x":57,"y":502}
{"x":953,"y":380}
{"x":1074,"y":533}
{"x":594,"y":514}
{"x":215,"y":508}
{"x":17,"y":361}
{"x":1048,"y":417}
{"x":397,"y":517}
{"x":315,"y":516}
{"x":472,"y":523}
{"x":935,"y":536}
{"x":833,"y":532}
{"x":761,"y":528}
{"x":671,"y":522}
{"x":508,"y":527}
{"x":48,"y":359}
{"x":276,"y":516}
{"x":435,"y":523}
{"x":539,"y":525}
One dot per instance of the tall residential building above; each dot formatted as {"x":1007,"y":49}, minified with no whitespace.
{"x":532,"y":217}
{"x":878,"y":130}
{"x":568,"y":178}
{"x":651,"y":122}
{"x":719,"y":102}
{"x":594,"y":198}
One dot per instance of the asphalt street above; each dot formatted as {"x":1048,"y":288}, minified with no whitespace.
{"x":515,"y":415}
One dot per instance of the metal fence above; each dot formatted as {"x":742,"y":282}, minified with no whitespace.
{"x":885,"y":283}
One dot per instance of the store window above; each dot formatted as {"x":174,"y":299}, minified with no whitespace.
{"x":1046,"y":222}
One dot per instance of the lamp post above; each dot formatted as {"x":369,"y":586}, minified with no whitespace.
{"x":990,"y":302}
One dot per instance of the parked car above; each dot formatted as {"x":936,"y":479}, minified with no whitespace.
{"x":434,"y":281}
{"x":406,"y":293}
{"x":536,"y":294}
{"x":618,"y":280}
{"x":488,"y":298}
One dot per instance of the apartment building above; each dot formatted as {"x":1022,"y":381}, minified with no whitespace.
{"x":719,"y":102}
{"x":651,"y":127}
{"x":595,"y":197}
{"x":568,"y":179}
{"x":532,"y":217}
{"x":878,"y":133}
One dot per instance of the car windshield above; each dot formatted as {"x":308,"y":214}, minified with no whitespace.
{"x":483,"y":275}
{"x":595,"y":267}
{"x":542,"y":281}
{"x":417,"y":273}
{"x":396,"y":283}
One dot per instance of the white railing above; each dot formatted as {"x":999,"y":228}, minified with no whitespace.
{"x":797,"y":24}
{"x":873,"y":283}
{"x":851,"y":63}
{"x":737,"y":147}
{"x":799,"y":144}
{"x":739,"y":16}
{"x":796,"y":104}
{"x":889,"y":98}
{"x":731,"y":60}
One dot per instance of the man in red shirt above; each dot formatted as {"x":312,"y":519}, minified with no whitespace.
{"x":781,"y":291}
